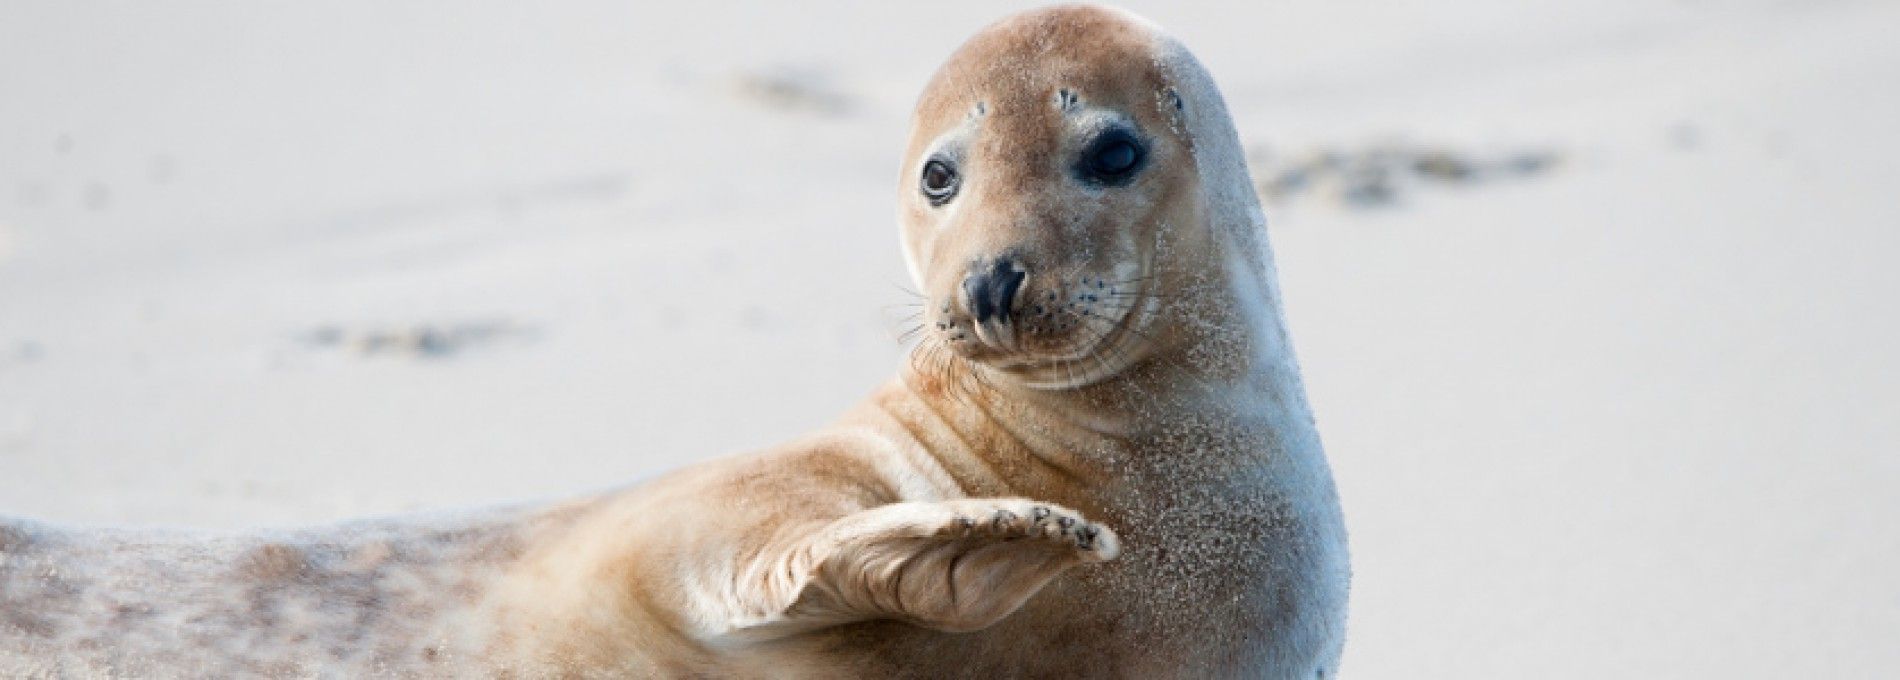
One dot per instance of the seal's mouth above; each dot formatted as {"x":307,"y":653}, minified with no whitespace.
{"x":1062,"y":334}
{"x":1109,"y":340}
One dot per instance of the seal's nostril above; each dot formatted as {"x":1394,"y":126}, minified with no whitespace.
{"x":976,"y":295}
{"x":1008,"y":280}
{"x":991,"y":292}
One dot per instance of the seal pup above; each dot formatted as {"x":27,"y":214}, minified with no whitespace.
{"x":1102,"y":347}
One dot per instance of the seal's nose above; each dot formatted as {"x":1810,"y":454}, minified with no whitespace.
{"x":991,"y":291}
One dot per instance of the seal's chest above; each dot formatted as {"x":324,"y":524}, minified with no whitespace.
{"x":1206,"y":572}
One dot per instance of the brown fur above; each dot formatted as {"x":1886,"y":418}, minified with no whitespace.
{"x":945,"y":528}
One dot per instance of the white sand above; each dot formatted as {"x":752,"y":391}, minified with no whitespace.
{"x":1637,"y":416}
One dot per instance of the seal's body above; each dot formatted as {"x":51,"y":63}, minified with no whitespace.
{"x":1104,"y":380}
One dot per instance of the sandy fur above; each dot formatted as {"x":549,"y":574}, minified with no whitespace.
{"x":1155,"y":507}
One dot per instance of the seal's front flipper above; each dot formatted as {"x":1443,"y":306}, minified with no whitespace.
{"x":953,"y":566}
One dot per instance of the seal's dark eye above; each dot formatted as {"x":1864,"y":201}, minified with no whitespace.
{"x":1112,"y":159}
{"x":1116,"y":159}
{"x":940,"y":182}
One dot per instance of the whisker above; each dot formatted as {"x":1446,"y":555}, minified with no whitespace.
{"x":1113,"y":321}
{"x":908,"y":290}
{"x":1138,"y":279}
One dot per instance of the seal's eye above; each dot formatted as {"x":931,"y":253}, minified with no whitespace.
{"x":940,"y":181}
{"x":1112,"y":159}
{"x":1116,"y":159}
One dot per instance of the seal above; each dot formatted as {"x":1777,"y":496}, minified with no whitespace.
{"x":1099,"y":461}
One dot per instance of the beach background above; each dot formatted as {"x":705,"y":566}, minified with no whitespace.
{"x":1596,"y":300}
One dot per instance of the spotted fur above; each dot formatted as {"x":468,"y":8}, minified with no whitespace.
{"x":1120,"y":478}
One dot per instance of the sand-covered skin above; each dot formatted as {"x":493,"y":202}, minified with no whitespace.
{"x":384,"y":598}
{"x":1631,"y":416}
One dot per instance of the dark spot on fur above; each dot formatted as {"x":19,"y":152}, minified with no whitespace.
{"x":1002,"y":520}
{"x":29,"y":623}
{"x":127,"y":614}
{"x":274,"y":562}
{"x":1066,"y":99}
{"x":466,"y":591}
{"x":14,"y":539}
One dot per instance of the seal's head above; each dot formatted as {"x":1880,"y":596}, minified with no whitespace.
{"x":1052,"y":187}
